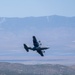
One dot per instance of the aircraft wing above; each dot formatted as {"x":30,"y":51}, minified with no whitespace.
{"x":35,"y":43}
{"x":40,"y":52}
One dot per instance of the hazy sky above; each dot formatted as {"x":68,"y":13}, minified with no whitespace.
{"x":25,"y":8}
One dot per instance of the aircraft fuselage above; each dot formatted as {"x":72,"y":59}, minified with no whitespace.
{"x":38,"y":48}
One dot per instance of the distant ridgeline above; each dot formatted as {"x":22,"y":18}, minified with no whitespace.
{"x":46,"y":21}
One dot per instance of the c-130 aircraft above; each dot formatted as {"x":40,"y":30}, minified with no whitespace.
{"x":36,"y":47}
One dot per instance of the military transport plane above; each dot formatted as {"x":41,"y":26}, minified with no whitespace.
{"x":36,"y":47}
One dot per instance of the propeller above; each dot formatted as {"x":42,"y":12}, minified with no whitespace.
{"x":43,"y":51}
{"x":40,"y":43}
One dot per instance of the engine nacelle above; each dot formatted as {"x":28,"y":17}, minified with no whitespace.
{"x":43,"y":51}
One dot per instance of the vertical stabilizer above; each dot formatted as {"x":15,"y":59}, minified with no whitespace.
{"x":26,"y":48}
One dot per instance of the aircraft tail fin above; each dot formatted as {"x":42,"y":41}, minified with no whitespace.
{"x":26,"y":47}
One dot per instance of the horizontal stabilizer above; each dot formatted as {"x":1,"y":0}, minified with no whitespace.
{"x":26,"y":48}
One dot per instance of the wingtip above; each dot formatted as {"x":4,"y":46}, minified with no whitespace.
{"x":33,"y":36}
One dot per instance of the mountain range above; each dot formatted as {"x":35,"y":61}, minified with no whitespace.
{"x":36,"y":22}
{"x":38,"y":69}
